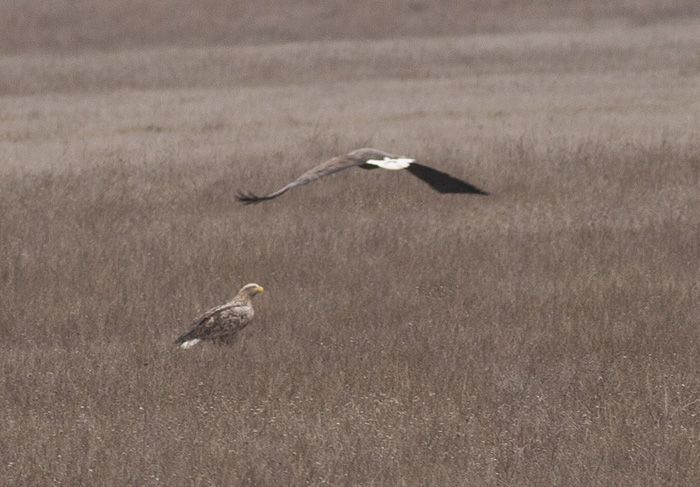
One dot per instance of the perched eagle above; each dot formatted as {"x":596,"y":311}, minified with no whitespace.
{"x":222,"y":322}
{"x":372,"y":159}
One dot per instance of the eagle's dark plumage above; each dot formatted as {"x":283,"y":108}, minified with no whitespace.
{"x":371,"y":159}
{"x":223,"y":322}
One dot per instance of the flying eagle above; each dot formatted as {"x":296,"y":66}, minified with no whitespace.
{"x":223,"y":322}
{"x":372,"y":159}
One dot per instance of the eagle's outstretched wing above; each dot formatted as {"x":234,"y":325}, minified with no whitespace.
{"x":441,"y":181}
{"x":329,"y":167}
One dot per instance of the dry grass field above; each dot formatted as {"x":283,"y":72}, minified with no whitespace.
{"x":547,"y":334}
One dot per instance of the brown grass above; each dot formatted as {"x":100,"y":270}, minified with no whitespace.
{"x":544,"y":335}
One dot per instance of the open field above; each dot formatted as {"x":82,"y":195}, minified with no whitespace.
{"x":544,"y":335}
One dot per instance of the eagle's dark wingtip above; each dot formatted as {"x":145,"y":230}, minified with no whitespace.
{"x":443,"y":182}
{"x":248,"y":198}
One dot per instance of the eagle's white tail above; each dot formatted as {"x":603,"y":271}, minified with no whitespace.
{"x":392,"y":164}
{"x":190,"y":343}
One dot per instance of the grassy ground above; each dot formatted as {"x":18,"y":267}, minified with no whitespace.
{"x":544,"y":335}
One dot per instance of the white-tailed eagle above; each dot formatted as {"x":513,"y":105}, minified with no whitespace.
{"x":222,"y":323}
{"x":372,"y":159}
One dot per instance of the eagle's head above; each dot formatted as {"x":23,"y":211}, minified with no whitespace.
{"x":250,"y":290}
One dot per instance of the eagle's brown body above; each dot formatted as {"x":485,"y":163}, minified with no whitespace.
{"x":222,"y":323}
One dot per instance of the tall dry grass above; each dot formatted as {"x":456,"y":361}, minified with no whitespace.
{"x":544,"y":335}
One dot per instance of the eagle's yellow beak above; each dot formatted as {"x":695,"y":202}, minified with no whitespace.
{"x":261,"y":289}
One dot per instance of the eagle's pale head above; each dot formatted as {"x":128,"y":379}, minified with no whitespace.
{"x":250,"y":290}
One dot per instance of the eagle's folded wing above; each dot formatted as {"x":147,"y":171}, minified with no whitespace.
{"x":206,"y":326}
